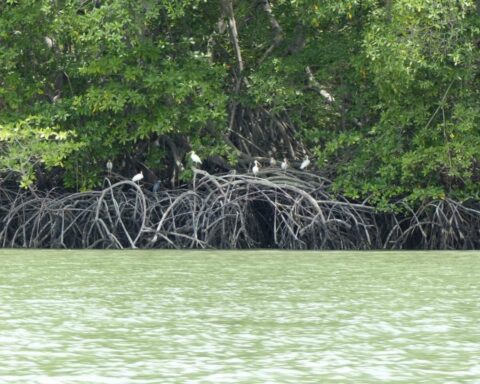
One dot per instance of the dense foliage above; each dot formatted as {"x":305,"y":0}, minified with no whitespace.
{"x":384,"y":95}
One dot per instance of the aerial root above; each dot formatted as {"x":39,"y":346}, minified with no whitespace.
{"x":438,"y":224}
{"x":289,"y":210}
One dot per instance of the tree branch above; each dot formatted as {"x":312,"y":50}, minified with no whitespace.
{"x":277,"y":29}
{"x":227,"y":6}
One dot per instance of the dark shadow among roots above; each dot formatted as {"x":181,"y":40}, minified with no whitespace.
{"x":292,"y":210}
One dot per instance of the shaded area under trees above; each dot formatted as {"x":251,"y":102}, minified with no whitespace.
{"x":287,"y":210}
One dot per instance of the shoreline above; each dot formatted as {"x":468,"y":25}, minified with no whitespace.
{"x":274,"y":210}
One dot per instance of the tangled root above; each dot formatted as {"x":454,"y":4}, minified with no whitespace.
{"x":438,"y":224}
{"x":292,"y":210}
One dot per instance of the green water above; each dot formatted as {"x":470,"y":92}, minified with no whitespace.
{"x":239,"y":317}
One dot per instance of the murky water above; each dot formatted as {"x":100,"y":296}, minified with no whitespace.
{"x":239,"y":317}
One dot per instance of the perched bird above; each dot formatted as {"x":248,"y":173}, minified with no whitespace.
{"x":109,"y":166}
{"x":56,"y":98}
{"x":284,"y":164}
{"x":180,"y":165}
{"x":327,"y":96}
{"x":195,"y":159}
{"x":256,"y":167}
{"x":156,"y":186}
{"x":305,"y":163}
{"x":49,"y":41}
{"x":137,"y":177}
{"x":273,"y":162}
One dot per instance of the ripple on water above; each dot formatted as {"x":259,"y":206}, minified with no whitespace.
{"x":239,"y":318}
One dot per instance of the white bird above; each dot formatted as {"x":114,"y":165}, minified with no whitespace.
{"x":284,"y":164}
{"x":196,"y":160}
{"x":305,"y":163}
{"x":327,"y":96}
{"x":109,"y":166}
{"x":137,"y":177}
{"x":49,"y":41}
{"x":273,"y":162}
{"x":180,"y":166}
{"x":256,"y":168}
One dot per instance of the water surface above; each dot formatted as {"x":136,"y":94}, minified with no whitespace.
{"x":239,"y":317}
